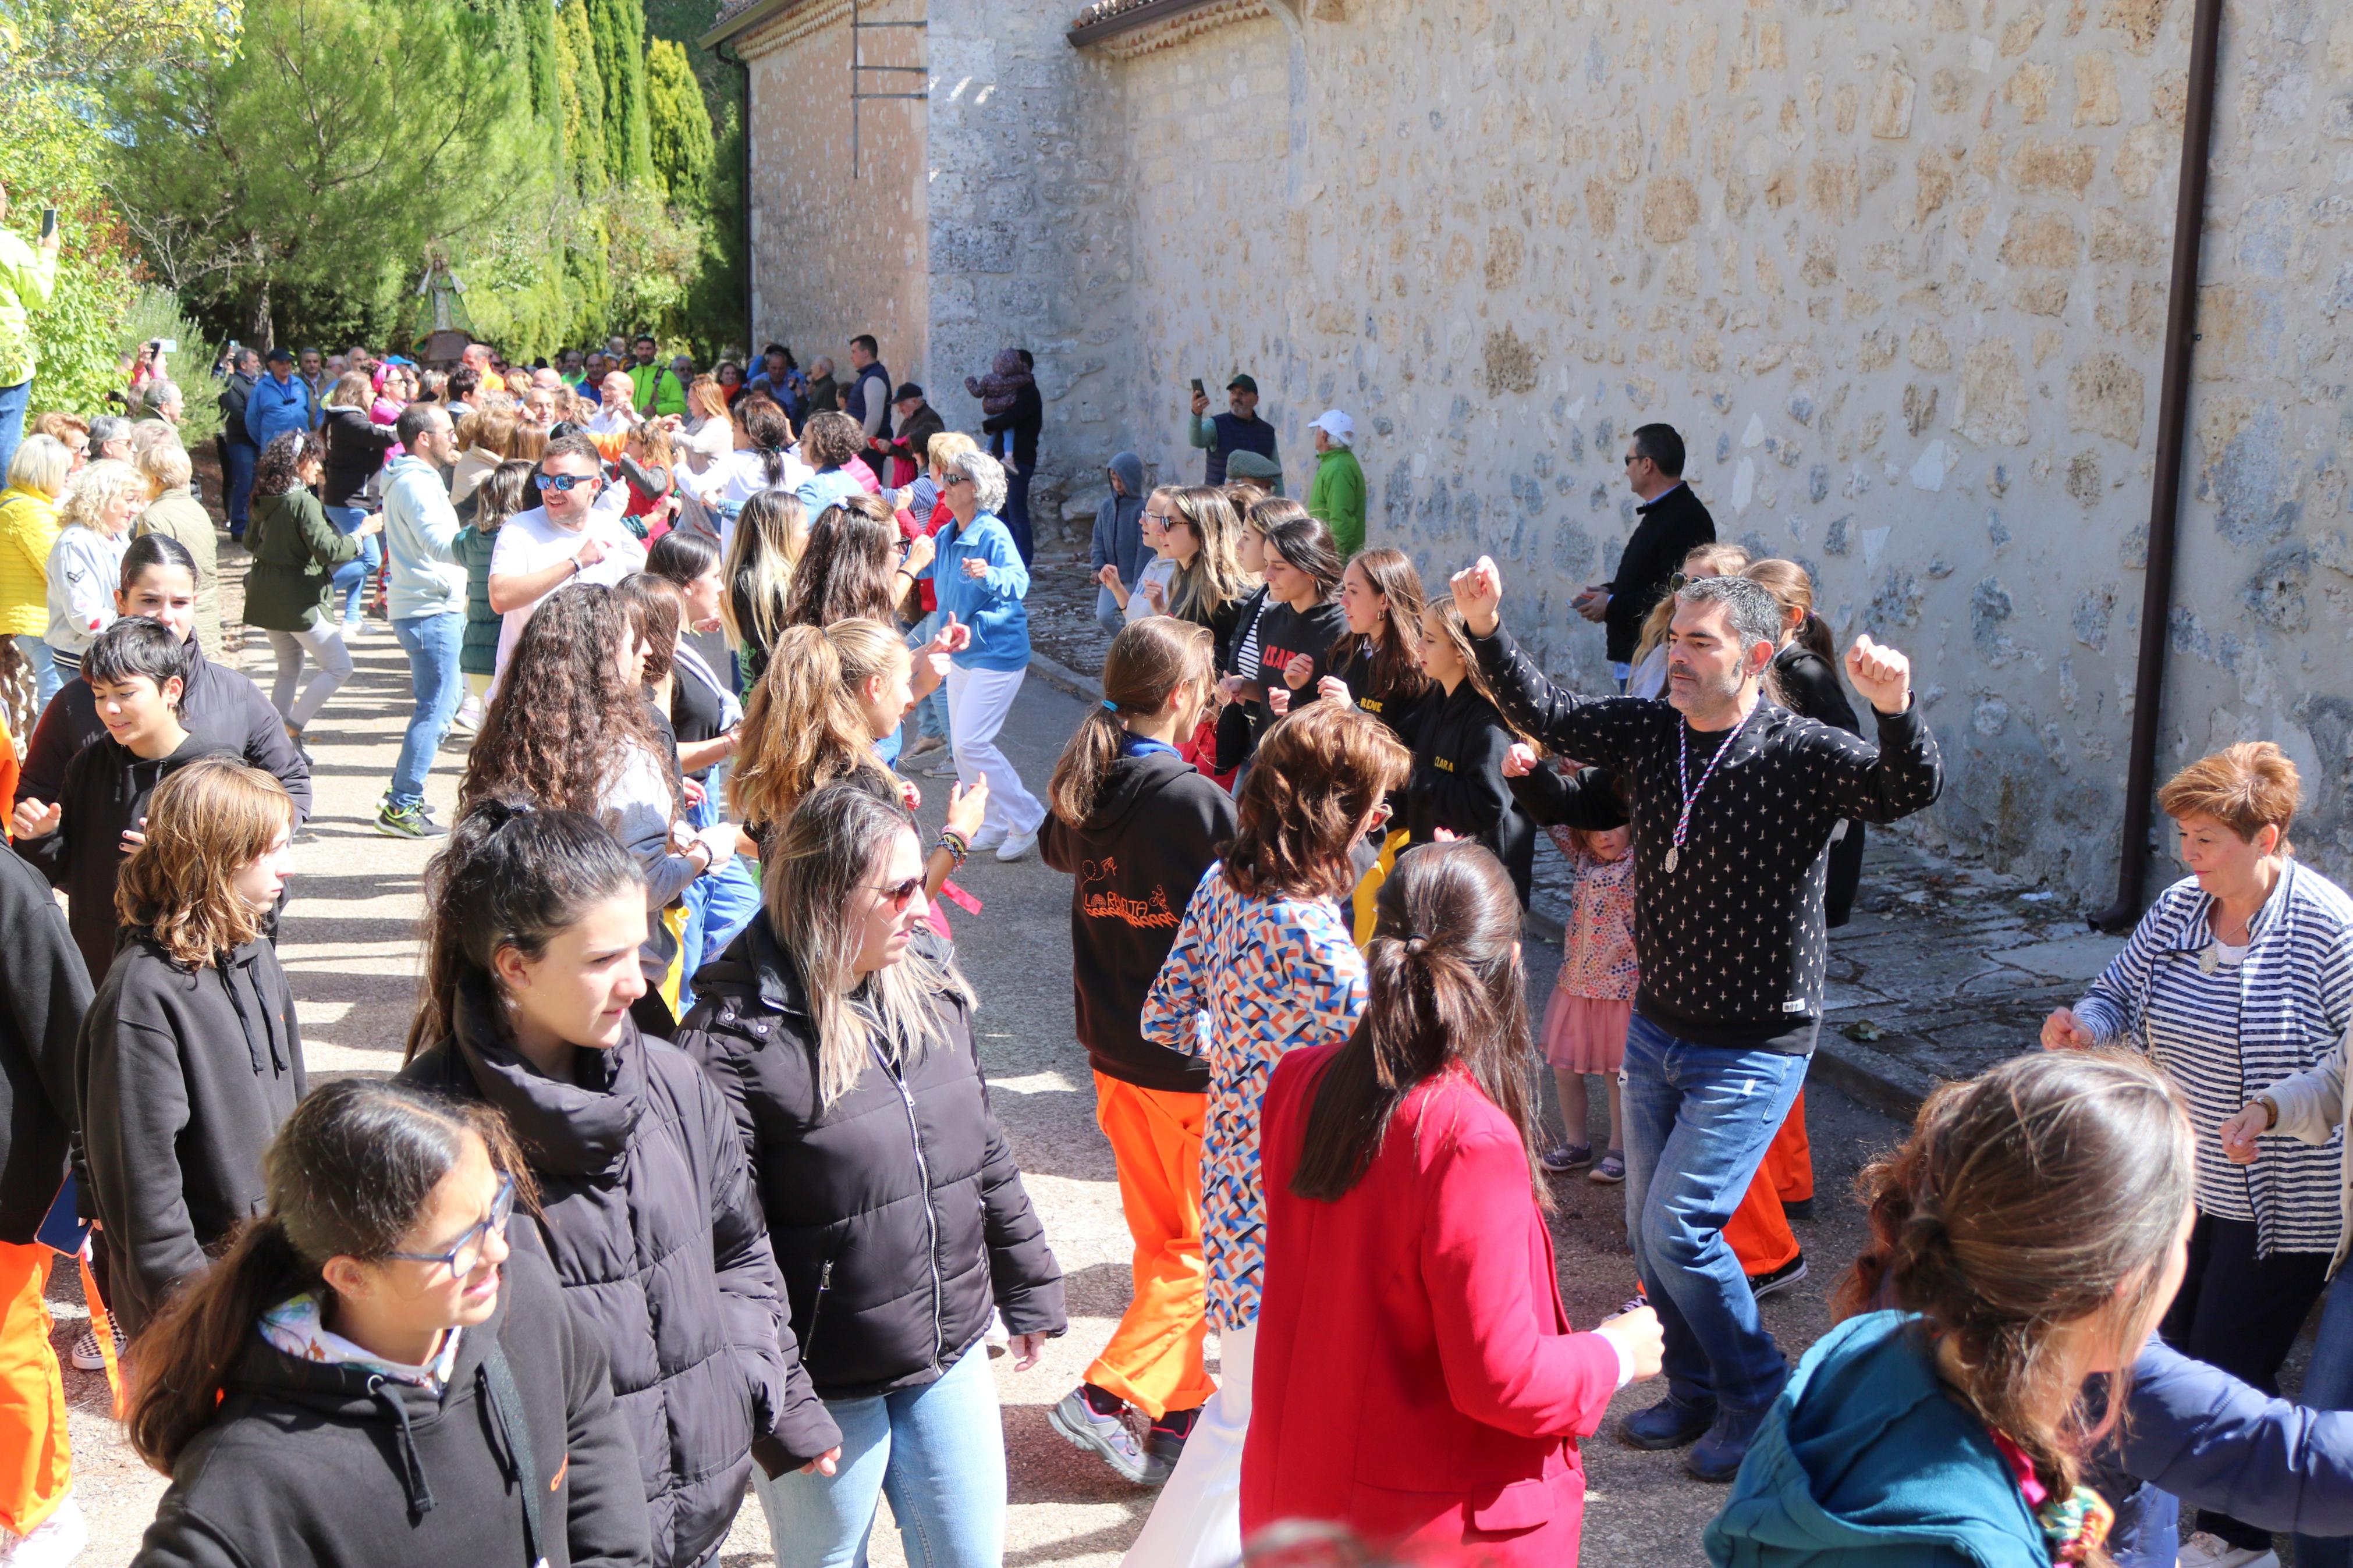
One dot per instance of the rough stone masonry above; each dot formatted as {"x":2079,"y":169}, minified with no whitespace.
{"x":1897,"y":268}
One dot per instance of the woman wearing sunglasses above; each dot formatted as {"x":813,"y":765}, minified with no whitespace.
{"x":532,"y":922}
{"x":840,"y":1029}
{"x":382,"y":1370}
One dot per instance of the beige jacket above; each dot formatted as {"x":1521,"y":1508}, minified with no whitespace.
{"x":2311,"y":1105}
{"x":179,"y":514}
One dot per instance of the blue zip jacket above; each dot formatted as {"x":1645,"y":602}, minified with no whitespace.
{"x":2209,"y":1440}
{"x":1865,"y":1461}
{"x":990,"y":605}
{"x":271,"y":410}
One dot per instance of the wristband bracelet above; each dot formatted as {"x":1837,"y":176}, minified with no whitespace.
{"x":959,"y":848}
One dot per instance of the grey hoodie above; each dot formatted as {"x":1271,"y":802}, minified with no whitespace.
{"x":1119,"y":523}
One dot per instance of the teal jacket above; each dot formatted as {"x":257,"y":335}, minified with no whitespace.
{"x":1866,"y":1461}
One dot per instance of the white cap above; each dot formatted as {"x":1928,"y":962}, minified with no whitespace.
{"x":1336,"y":425}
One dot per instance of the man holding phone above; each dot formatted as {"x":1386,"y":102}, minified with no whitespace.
{"x":28,"y":275}
{"x":1239,"y":430}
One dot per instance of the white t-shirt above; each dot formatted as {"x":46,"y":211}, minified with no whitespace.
{"x":736,"y":477}
{"x":529,"y":542}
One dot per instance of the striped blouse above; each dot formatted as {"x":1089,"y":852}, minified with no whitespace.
{"x":2225,"y":1032}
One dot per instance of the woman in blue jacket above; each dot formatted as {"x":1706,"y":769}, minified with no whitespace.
{"x":981,"y":582}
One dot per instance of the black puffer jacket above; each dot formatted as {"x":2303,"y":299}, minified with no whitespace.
{"x":41,"y":1007}
{"x":356,"y":448}
{"x":317,"y":1463}
{"x":656,"y":1236}
{"x":898,"y":1217}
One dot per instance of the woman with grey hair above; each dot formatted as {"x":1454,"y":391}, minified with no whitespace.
{"x":86,"y":561}
{"x":981,"y":582}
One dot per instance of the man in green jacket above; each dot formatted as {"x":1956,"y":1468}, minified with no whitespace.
{"x":658,"y":388}
{"x":1336,"y":498}
{"x":28,"y":276}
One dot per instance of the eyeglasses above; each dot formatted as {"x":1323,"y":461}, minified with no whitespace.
{"x":463,"y":1258}
{"x":1164,"y":519}
{"x":562,"y":483}
{"x":899,"y":895}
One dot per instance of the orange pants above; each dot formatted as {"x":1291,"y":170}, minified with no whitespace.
{"x":36,"y":1464}
{"x":1758,"y":1232}
{"x":1153,"y":1359}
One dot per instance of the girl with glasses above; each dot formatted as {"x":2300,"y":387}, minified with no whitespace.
{"x":382,"y":1370}
{"x":532,"y":922}
{"x":840,"y":1031}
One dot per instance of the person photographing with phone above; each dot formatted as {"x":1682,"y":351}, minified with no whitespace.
{"x":28,"y":274}
{"x":1239,"y":429}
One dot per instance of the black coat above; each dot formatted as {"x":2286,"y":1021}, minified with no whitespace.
{"x":355,"y":447}
{"x":1672,"y":527}
{"x":41,"y":1005}
{"x":898,"y":1217}
{"x":183,"y":1077}
{"x":1458,"y":782}
{"x":1024,"y":419}
{"x":1284,"y":631}
{"x":219,"y":705}
{"x":1157,"y":826}
{"x":314,"y":1463}
{"x":105,"y":791}
{"x":656,"y":1233}
{"x":1811,"y":688}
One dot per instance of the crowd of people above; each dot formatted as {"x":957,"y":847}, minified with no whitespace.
{"x":689,"y":1185}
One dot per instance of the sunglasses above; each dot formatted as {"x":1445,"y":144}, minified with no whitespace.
{"x":1677,"y":583}
{"x":562,"y":483}
{"x":899,"y":895}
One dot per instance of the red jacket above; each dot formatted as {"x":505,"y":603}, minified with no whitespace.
{"x":1415,"y":1375}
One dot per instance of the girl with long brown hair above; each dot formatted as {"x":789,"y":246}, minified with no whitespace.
{"x":1263,"y":963}
{"x":1136,"y":826}
{"x":1376,"y":667}
{"x":1410,"y":1284}
{"x":1458,"y":789}
{"x":1290,"y":640}
{"x":764,"y":545}
{"x":850,"y":568}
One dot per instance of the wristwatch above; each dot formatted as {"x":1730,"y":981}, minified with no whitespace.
{"x":2270,"y":1111}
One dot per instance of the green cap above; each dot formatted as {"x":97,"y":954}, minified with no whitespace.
{"x":1242,"y":383}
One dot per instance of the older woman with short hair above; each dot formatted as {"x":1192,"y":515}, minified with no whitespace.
{"x":173,"y":509}
{"x":981,"y":582}
{"x":2240,"y":976}
{"x":28,"y":527}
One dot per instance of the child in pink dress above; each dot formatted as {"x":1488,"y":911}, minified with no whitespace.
{"x":1593,"y":1000}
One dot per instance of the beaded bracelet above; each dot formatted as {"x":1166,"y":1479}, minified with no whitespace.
{"x":959,"y":848}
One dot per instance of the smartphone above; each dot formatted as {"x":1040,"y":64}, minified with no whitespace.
{"x":48,"y":222}
{"x":1198,"y":390}
{"x":167,"y":346}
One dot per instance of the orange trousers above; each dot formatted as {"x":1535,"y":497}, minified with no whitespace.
{"x":1153,"y":1359}
{"x":1758,"y":1232}
{"x":36,"y":1464}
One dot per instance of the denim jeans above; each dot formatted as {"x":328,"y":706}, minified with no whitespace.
{"x":718,"y":907}
{"x":239,"y":458}
{"x":14,"y":401}
{"x":1698,"y":1121}
{"x":431,"y":643}
{"x":352,"y":577}
{"x":1108,"y":613}
{"x":937,"y":1452}
{"x":932,"y":713}
{"x":46,"y":675}
{"x":2328,"y":1385}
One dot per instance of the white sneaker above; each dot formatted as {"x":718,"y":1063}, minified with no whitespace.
{"x":2207,"y":1549}
{"x":1014,"y":848}
{"x":86,"y":1354}
{"x":987,"y":838}
{"x":54,"y":1542}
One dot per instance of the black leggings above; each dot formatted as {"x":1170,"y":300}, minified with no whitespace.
{"x":2241,"y":1312}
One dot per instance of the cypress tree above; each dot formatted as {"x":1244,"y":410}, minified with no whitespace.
{"x":680,"y":126}
{"x":618,"y":28}
{"x":582,"y":88}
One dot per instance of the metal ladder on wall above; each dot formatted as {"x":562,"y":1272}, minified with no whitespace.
{"x":859,"y":93}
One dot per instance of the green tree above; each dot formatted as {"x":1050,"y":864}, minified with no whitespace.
{"x":584,"y":98}
{"x":681,"y":124}
{"x":618,"y":30}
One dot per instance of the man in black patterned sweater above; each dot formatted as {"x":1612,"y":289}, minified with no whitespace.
{"x":1734,"y":801}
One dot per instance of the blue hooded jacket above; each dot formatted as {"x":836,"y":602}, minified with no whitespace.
{"x":1867,"y":1461}
{"x":1119,"y":524}
{"x":990,"y":603}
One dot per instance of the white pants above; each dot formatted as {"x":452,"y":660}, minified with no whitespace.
{"x":978,"y":700}
{"x":325,"y":643}
{"x":1196,"y":1521}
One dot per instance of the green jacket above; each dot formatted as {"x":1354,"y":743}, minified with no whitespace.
{"x":477,"y":651}
{"x":656,"y":389}
{"x":1336,"y":498}
{"x":28,"y":275}
{"x":295,"y":552}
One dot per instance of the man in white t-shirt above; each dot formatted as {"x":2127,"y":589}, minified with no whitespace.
{"x":568,"y":538}
{"x":617,"y":415}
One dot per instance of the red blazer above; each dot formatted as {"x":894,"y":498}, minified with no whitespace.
{"x":1415,"y":1376}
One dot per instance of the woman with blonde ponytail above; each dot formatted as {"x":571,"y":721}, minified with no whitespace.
{"x":1411,"y":1285}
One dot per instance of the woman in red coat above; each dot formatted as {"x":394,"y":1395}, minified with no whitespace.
{"x":1416,"y":1379}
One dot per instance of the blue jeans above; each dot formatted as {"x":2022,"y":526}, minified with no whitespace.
{"x":1108,"y":613}
{"x":937,"y":1452}
{"x":932,"y":713}
{"x":1698,"y":1120}
{"x":46,"y":675}
{"x":431,"y":643}
{"x":239,"y":457}
{"x":351,"y":579}
{"x":14,"y":401}
{"x":2328,"y":1385}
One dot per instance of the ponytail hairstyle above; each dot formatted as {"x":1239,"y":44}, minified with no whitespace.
{"x":1707,"y":559}
{"x":770,"y":533}
{"x":1396,"y":669}
{"x":1216,"y":578}
{"x":348,"y":1175}
{"x":800,"y":731}
{"x":1148,"y":660}
{"x":654,"y":615}
{"x":769,"y":430}
{"x":151,"y":551}
{"x":205,"y":822}
{"x":1451,"y":622}
{"x":1793,"y":586}
{"x":513,"y":875}
{"x":867,"y":649}
{"x":830,"y":849}
{"x":849,"y":566}
{"x":563,"y":724}
{"x":2047,"y":1192}
{"x":501,"y":494}
{"x":1444,"y":986}
{"x":1315,"y":779}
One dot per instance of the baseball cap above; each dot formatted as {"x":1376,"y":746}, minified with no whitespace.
{"x":279,"y":356}
{"x":1334,"y":424}
{"x":907,"y":389}
{"x":1242,"y":383}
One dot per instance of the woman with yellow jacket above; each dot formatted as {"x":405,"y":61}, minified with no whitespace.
{"x":28,"y":527}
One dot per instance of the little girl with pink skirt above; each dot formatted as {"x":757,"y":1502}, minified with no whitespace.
{"x":1592,"y":1002}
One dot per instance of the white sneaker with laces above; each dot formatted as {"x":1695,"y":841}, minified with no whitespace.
{"x":1016,"y":847}
{"x":2207,"y":1549}
{"x":987,"y":838}
{"x":53,"y":1544}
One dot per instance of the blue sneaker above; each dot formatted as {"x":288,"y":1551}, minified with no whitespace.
{"x":1666,"y":1424}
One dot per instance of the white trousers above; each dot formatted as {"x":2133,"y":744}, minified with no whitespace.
{"x":1196,"y":1521}
{"x":978,"y":700}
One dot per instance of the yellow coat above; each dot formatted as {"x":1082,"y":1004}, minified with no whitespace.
{"x":28,"y":526}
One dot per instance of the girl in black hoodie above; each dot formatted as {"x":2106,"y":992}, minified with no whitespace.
{"x":1458,"y":789}
{"x":1137,"y":826}
{"x":371,"y":1378}
{"x":190,"y":1056}
{"x":1376,"y":667}
{"x":1287,"y":649}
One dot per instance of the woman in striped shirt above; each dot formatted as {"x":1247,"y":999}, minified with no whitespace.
{"x":2241,"y":975}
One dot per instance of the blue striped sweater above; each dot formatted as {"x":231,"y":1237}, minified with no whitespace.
{"x":2227,"y":1033}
